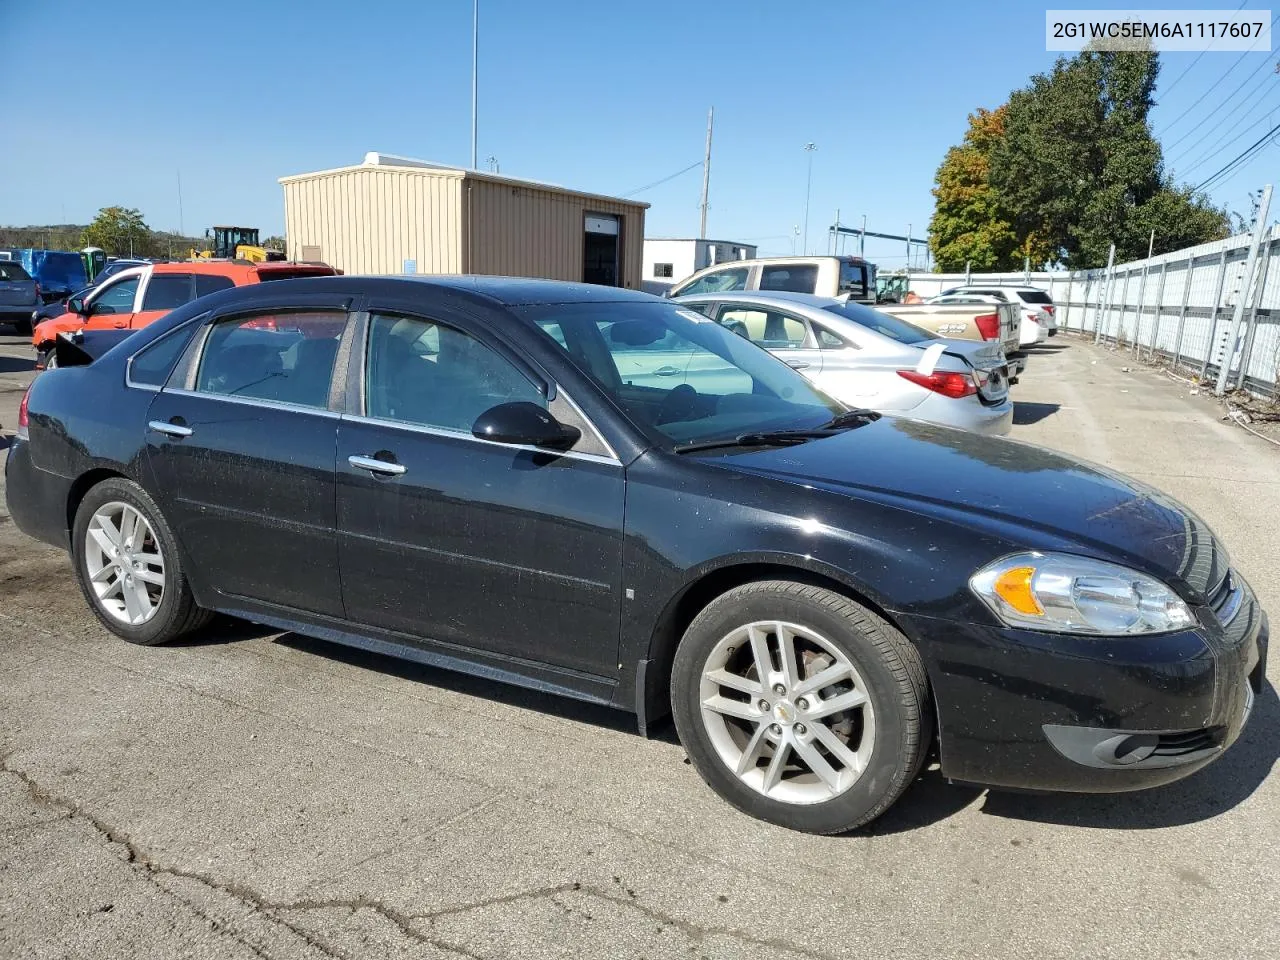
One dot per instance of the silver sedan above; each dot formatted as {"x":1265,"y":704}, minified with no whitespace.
{"x":866,"y":358}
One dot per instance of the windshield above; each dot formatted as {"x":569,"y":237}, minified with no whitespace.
{"x":679,"y":376}
{"x":881,"y":322}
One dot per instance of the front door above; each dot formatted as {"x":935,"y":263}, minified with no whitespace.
{"x":242,"y":453}
{"x":446,"y":537}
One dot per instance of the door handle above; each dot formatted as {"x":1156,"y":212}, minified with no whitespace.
{"x":377,"y":466}
{"x":667,"y":371}
{"x":797,"y":364}
{"x":169,"y":429}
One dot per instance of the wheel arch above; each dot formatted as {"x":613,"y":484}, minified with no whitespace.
{"x":81,"y":487}
{"x":653,"y":687}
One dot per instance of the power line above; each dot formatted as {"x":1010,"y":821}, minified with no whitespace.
{"x":1230,"y":140}
{"x":1195,"y":61}
{"x":1222,"y":119}
{"x":658,"y":183}
{"x":1239,"y":60}
{"x":1243,"y":157}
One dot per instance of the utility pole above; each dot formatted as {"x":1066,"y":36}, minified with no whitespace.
{"x":1229,"y":348}
{"x":908,"y":248}
{"x":475,"y":73}
{"x":706,"y":175}
{"x":181,"y":230}
{"x":862,"y":238}
{"x":808,"y":148}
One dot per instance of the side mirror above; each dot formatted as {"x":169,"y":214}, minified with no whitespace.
{"x":523,"y":422}
{"x":76,"y":305}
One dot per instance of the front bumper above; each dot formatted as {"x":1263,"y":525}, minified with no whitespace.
{"x":1037,"y":711}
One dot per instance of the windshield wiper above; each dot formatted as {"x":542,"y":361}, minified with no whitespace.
{"x":857,"y":417}
{"x":772,"y":438}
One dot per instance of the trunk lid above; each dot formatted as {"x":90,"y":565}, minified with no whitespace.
{"x":987,"y":359}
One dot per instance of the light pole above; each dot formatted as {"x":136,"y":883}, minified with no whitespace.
{"x":808,"y":148}
{"x":475,"y":75}
{"x":492,"y":161}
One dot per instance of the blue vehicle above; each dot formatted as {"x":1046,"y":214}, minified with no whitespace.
{"x":60,"y":273}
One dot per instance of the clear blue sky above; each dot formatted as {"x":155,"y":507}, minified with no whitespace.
{"x":106,"y":107}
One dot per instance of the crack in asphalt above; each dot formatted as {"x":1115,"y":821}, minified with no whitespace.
{"x":404,"y":922}
{"x":138,"y":858}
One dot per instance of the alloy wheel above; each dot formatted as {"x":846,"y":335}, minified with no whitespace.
{"x":787,"y":712}
{"x":125,"y":563}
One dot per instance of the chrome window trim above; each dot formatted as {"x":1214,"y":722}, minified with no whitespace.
{"x":462,"y":435}
{"x":254,"y":402}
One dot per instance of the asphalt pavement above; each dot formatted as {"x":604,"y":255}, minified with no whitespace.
{"x":252,"y":794}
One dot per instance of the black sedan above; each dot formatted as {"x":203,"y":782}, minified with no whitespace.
{"x":606,"y":495}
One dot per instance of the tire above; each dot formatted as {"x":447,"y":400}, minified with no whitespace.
{"x":45,"y":354}
{"x":869,"y":724}
{"x":161,"y":587}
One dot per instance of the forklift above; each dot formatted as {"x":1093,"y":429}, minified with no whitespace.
{"x":236,"y":243}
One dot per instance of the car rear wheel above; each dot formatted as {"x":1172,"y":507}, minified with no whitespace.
{"x":128,"y":565}
{"x":799,"y":706}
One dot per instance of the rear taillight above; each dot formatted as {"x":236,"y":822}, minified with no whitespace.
{"x":37,"y":290}
{"x":988,"y":326}
{"x":1048,"y":308}
{"x":23,"y":433}
{"x":954,"y":385}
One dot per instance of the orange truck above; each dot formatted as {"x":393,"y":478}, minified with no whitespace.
{"x":137,"y":296}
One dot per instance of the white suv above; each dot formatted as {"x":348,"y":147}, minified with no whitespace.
{"x":1038,"y":320}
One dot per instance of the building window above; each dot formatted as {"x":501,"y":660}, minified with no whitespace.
{"x":662,"y":269}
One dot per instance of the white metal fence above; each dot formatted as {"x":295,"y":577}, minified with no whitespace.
{"x":1178,"y":306}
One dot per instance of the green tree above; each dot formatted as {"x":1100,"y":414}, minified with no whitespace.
{"x":966,"y":227}
{"x":274,"y":243}
{"x":1078,"y":167}
{"x":120,"y":231}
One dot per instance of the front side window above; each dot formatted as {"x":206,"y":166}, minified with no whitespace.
{"x":716,"y":282}
{"x":431,"y":375}
{"x":796,"y":277}
{"x":117,"y":298}
{"x":679,"y":376}
{"x":284,"y":358}
{"x":167,"y":291}
{"x":767,"y":328}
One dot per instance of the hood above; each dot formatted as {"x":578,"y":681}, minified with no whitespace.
{"x":1032,"y":497}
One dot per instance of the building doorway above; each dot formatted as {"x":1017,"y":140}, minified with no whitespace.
{"x":600,"y":249}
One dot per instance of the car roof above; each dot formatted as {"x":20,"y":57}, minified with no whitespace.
{"x":778,"y":297}
{"x":523,"y":291}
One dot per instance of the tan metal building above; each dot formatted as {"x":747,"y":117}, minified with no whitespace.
{"x":395,"y":215}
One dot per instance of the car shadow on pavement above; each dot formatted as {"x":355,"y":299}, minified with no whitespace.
{"x":1025,"y":413}
{"x":1205,"y":794}
{"x":16,"y":364}
{"x":496,"y":690}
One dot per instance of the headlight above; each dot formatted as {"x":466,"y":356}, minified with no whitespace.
{"x":1067,"y":594}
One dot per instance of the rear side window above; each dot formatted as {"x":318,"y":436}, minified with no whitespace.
{"x":11,"y":272}
{"x":207,"y":284}
{"x":167,"y":291}
{"x":796,"y":277}
{"x":152,"y":366}
{"x":285,"y":358}
{"x":1034,"y":296}
{"x":853,"y":278}
{"x":715,"y":282}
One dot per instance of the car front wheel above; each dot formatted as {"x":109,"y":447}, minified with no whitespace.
{"x":128,"y":565}
{"x":800,"y":706}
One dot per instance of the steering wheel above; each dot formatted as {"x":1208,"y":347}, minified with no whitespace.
{"x":678,"y":404}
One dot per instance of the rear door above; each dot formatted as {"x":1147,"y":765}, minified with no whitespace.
{"x":241,"y":446}
{"x":168,"y":291}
